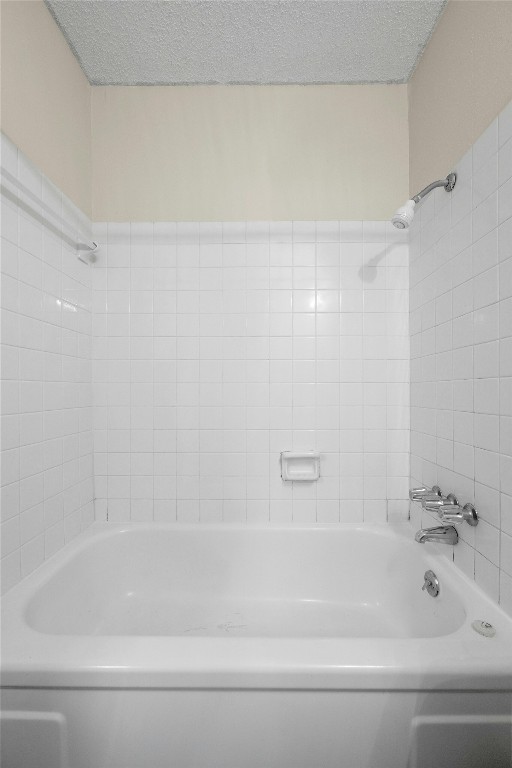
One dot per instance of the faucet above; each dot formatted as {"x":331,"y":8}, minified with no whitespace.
{"x":447,"y":534}
{"x":424,"y":493}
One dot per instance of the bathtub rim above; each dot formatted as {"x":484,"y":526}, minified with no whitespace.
{"x":462,"y":660}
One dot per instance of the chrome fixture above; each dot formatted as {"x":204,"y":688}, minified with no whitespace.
{"x":431,"y":583}
{"x":446,"y":534}
{"x":404,"y":215}
{"x":418,"y":494}
{"x":454,"y":513}
{"x":433,"y":504}
{"x":447,"y":508}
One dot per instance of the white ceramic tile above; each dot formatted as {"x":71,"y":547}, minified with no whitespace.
{"x":487,"y":501}
{"x":221,"y":343}
{"x":235,"y":310}
{"x":506,"y":592}
{"x":464,"y":558}
{"x":478,"y":386}
{"x":505,"y":124}
{"x":487,"y":542}
{"x":485,"y":146}
{"x":485,"y":180}
{"x":506,"y":553}
{"x":10,"y":570}
{"x":506,"y":279}
{"x":505,"y":162}
{"x":485,"y":216}
{"x":505,"y":352}
{"x":461,"y":199}
{"x":487,"y":576}
{"x":504,"y":201}
{"x":48,"y":367}
{"x":505,"y":318}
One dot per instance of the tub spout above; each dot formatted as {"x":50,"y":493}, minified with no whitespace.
{"x":447,"y":534}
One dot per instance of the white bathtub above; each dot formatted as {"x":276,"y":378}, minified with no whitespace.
{"x":151,"y":646}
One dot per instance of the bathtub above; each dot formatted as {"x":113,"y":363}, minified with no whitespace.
{"x":144,"y":646}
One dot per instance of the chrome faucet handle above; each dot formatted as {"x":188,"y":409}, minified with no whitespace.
{"x":432,"y":503}
{"x":470,"y":514}
{"x":418,"y":494}
{"x":450,"y":513}
{"x":454,"y":513}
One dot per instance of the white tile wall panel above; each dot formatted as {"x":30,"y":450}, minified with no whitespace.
{"x":46,"y":324}
{"x":461,"y":348}
{"x":207,"y":349}
{"x":217,"y":345}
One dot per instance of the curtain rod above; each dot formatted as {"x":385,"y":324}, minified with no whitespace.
{"x":85,"y":249}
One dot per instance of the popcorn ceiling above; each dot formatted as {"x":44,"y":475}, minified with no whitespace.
{"x":127,"y":42}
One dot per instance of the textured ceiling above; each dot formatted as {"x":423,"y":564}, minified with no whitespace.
{"x":136,"y":42}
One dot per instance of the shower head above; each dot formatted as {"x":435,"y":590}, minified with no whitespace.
{"x":404,"y":215}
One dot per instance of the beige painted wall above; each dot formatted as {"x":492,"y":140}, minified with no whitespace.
{"x":45,"y":100}
{"x":462,"y":82}
{"x":259,"y":152}
{"x":214,"y":152}
{"x":199,"y":152}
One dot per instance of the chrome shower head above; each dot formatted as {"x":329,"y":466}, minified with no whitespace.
{"x":404,"y":215}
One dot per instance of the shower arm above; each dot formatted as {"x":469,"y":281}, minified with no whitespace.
{"x":447,"y":183}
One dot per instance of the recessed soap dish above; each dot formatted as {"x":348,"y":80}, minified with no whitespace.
{"x":304,"y":467}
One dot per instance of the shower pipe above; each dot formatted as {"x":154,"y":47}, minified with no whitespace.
{"x":403,"y":216}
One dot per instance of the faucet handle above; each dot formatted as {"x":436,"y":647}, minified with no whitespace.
{"x":454,"y":513}
{"x":418,"y":494}
{"x":449,"y":513}
{"x":432,"y":502}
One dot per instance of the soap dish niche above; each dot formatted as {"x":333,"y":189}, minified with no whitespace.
{"x":304,"y":467}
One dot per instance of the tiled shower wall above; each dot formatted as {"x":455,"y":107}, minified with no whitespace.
{"x":461,"y":349}
{"x":47,"y":447}
{"x":219,"y":345}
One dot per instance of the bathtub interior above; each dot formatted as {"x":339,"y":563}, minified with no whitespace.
{"x":245,"y":583}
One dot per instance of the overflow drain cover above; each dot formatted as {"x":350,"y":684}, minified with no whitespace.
{"x":483,"y":628}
